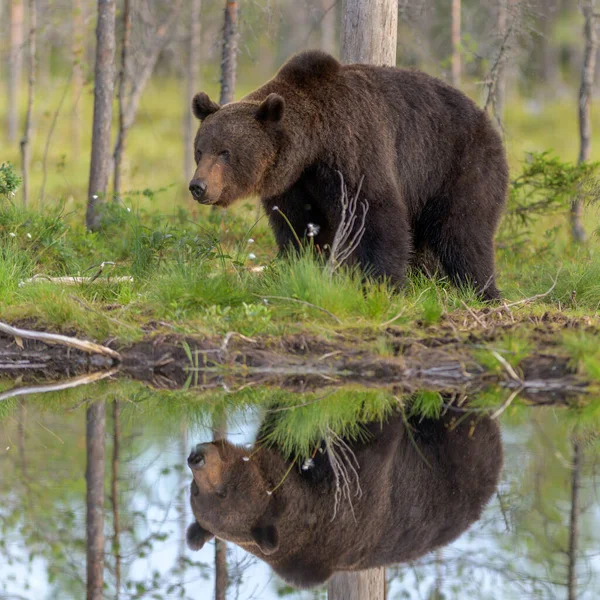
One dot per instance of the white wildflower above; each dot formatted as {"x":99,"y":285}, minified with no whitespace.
{"x":245,"y":458}
{"x":128,"y":209}
{"x":29,"y":235}
{"x":95,"y":196}
{"x":309,"y":463}
{"x":313,"y":230}
{"x":252,"y":256}
{"x":275,"y":208}
{"x":250,"y":241}
{"x":12,"y":234}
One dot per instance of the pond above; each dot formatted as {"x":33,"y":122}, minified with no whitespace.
{"x":518,"y":548}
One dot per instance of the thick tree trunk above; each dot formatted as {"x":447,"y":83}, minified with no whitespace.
{"x":370,"y":31}
{"x":14,"y":66}
{"x":192,"y":86}
{"x":360,"y":585}
{"x":456,"y":44}
{"x":221,"y":577}
{"x":114,"y":496}
{"x":26,"y":139}
{"x":103,"y":96}
{"x":328,"y":26}
{"x":585,"y":98}
{"x":369,"y":35}
{"x":574,"y":521}
{"x":118,"y":154}
{"x":77,"y":49}
{"x":94,"y":477}
{"x":229,"y":53}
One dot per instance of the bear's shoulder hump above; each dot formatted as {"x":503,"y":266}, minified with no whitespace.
{"x":308,"y":67}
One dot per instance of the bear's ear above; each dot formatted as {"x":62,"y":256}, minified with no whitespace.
{"x":271,"y":109}
{"x":196,"y":536}
{"x":203,"y":106}
{"x":266,"y":538}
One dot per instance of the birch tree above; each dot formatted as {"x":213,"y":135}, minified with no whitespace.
{"x":456,"y":43}
{"x":229,"y":52}
{"x":192,"y":84}
{"x":15,"y":62}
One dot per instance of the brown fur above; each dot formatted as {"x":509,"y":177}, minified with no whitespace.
{"x":435,"y":169}
{"x":420,"y":490}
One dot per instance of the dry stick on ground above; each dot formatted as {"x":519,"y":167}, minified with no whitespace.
{"x":25,"y":140}
{"x":128,"y":112}
{"x":585,"y":95}
{"x":53,"y":338}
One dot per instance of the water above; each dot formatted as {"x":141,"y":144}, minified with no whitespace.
{"x":518,"y":549}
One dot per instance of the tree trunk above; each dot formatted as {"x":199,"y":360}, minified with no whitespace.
{"x":114,"y":495}
{"x":585,"y":97}
{"x":370,"y":31}
{"x":128,"y":113}
{"x":456,"y":44}
{"x":103,"y":96}
{"x":192,"y":86}
{"x":77,"y":49}
{"x":14,"y":66}
{"x":328,"y":26}
{"x":359,"y":585}
{"x":118,"y":154}
{"x":229,"y":54}
{"x":369,"y":35}
{"x":26,"y":139}
{"x":220,"y":431}
{"x":502,"y":22}
{"x":94,"y":477}
{"x":573,"y":529}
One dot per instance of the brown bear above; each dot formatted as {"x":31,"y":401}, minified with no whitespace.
{"x":434,"y":168}
{"x":413,"y":486}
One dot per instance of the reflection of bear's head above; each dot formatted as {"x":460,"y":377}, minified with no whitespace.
{"x":234,"y":147}
{"x":230,"y":498}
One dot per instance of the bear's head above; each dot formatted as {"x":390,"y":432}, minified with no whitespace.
{"x":234,"y":147}
{"x":230,"y":498}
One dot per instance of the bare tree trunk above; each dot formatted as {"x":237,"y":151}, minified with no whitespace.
{"x":182,"y":498}
{"x":502,"y":21}
{"x":192,"y":86}
{"x":115,"y":497}
{"x":370,"y":32}
{"x":585,"y":97}
{"x":26,"y":139}
{"x":220,"y":431}
{"x":456,"y":43}
{"x":103,"y":96}
{"x":129,"y":112}
{"x":369,"y":35}
{"x":328,"y":26}
{"x":14,"y":66}
{"x":359,"y":585}
{"x":120,"y":146}
{"x":573,"y":529}
{"x":94,"y":477}
{"x":229,"y":54}
{"x":77,"y":50}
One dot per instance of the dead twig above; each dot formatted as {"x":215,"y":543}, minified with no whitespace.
{"x":526,"y":300}
{"x":53,"y":338}
{"x":509,"y":369}
{"x":301,"y":302}
{"x":507,"y":403}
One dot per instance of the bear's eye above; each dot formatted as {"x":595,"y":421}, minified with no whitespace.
{"x":224,"y":154}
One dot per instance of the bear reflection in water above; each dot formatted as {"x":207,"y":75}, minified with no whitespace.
{"x":420,"y":488}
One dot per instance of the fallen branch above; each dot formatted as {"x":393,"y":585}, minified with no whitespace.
{"x":53,"y":338}
{"x":526,"y":300}
{"x":56,"y":387}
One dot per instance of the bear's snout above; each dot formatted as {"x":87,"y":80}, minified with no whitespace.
{"x":198,"y":189}
{"x":197,"y":458}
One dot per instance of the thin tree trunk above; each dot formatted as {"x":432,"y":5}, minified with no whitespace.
{"x":369,"y":35}
{"x":115,"y":497}
{"x":160,"y":38}
{"x":26,"y":139}
{"x":370,"y":32}
{"x":220,"y":431}
{"x":574,"y":522}
{"x":192,"y":86}
{"x":182,"y":498}
{"x":77,"y":50}
{"x":585,"y":97}
{"x":328,"y":26}
{"x":94,"y":477}
{"x":120,"y":146}
{"x":456,"y":43}
{"x":103,"y":97}
{"x":229,"y":53}
{"x":17,"y":13}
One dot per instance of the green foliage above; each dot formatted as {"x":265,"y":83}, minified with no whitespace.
{"x":9,"y":180}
